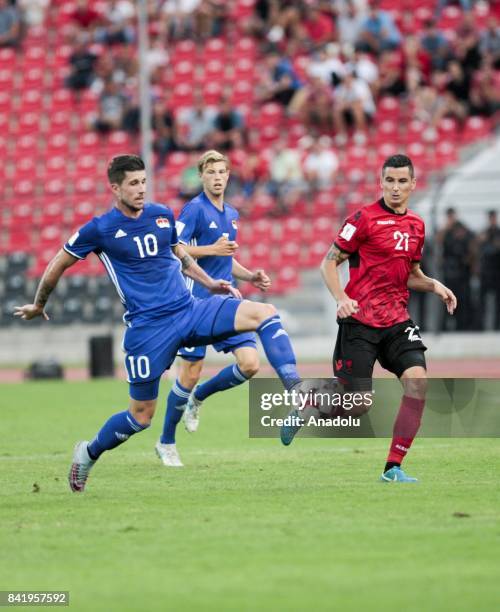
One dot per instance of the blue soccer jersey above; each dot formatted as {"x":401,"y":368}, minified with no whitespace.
{"x":201,"y":223}
{"x":137,"y":254}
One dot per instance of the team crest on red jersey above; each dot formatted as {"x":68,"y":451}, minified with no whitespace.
{"x":162,"y":222}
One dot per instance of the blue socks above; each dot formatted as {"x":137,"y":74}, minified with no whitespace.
{"x":279,"y":350}
{"x":176,"y":403}
{"x":114,"y":432}
{"x":229,"y":377}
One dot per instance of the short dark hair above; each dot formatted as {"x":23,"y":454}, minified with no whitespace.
{"x":399,"y":161}
{"x":121,"y":164}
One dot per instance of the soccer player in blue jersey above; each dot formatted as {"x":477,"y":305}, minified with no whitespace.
{"x":137,"y":243}
{"x":207,"y":229}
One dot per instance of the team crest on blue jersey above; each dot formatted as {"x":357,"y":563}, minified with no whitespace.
{"x":162,"y":222}
{"x":234,"y":224}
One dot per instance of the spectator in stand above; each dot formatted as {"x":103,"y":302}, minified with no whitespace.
{"x":316,"y":28}
{"x":112,"y":107}
{"x":163,"y":123}
{"x":457,"y":263}
{"x":353,"y":106}
{"x":119,"y":23}
{"x":211,"y":17}
{"x":196,"y":125}
{"x":280,"y":83}
{"x":321,"y":164}
{"x":264,"y":15}
{"x":10,"y":25}
{"x":458,"y":88}
{"x":489,"y":268}
{"x":85,"y":16}
{"x":350,"y":19}
{"x":466,"y":46}
{"x":327,"y":65}
{"x":378,"y":31}
{"x":228,"y":124}
{"x":178,"y":17}
{"x":365,"y":68}
{"x":392,"y":80}
{"x":314,"y":105}
{"x":484,"y":95}
{"x":33,"y":11}
{"x":83,"y":63}
{"x":435,"y":44}
{"x":417,"y":65}
{"x":286,"y":175}
{"x":489,"y":44}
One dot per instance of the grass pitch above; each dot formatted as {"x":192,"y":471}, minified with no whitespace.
{"x":247,"y":524}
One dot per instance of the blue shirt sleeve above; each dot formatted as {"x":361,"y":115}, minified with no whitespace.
{"x":186,"y":223}
{"x":83,"y":241}
{"x":174,"y":239}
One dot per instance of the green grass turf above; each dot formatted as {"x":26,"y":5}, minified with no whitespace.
{"x":247,"y":524}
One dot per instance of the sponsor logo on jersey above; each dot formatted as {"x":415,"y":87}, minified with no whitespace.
{"x":347,"y":231}
{"x":234,"y":224}
{"x":120,"y":234}
{"x":162,"y":222}
{"x":388,"y":222}
{"x":213,"y":225}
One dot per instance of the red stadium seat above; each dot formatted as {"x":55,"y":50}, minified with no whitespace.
{"x":184,"y":72}
{"x":26,"y":145}
{"x":6,"y":79}
{"x":293,"y":229}
{"x":25,"y":169}
{"x":212,"y":92}
{"x":85,"y":185}
{"x":325,"y":204}
{"x":28,"y":123}
{"x":34,"y":78}
{"x":34,"y":56}
{"x":7,"y":57}
{"x":324,"y":229}
{"x":58,"y":145}
{"x":24,"y":190}
{"x":261,"y":205}
{"x":55,"y":187}
{"x":263,"y":231}
{"x":288,"y":254}
{"x":244,"y":47}
{"x":446,"y":154}
{"x":31,"y":101}
{"x":89,"y":144}
{"x":287,"y":279}
{"x":448,"y":129}
{"x":184,"y":50}
{"x":474,"y":129}
{"x":62,"y":100}
{"x":215,"y":48}
{"x":314,"y":253}
{"x":242,"y":92}
{"x":5,"y":102}
{"x":260,"y":255}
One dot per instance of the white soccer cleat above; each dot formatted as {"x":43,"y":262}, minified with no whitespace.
{"x":168,"y":455}
{"x":80,"y":468}
{"x":191,"y":416}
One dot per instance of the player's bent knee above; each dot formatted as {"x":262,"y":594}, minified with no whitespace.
{"x":264,"y":312}
{"x":251,"y":314}
{"x":415,"y":382}
{"x":249,"y":366}
{"x":143,"y":411}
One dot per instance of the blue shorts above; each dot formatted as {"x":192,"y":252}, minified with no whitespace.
{"x":150,"y":349}
{"x":195,"y":353}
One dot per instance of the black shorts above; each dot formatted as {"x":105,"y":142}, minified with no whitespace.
{"x":397,"y":348}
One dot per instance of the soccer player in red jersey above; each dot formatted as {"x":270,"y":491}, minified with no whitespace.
{"x":383,"y":243}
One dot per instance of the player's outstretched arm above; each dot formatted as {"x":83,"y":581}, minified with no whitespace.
{"x":221,"y":248}
{"x":53,"y":272}
{"x":191,"y":269}
{"x":418,"y":281}
{"x":329,"y":270}
{"x":258,"y":278}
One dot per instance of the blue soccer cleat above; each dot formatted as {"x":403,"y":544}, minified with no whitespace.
{"x":289,"y":431}
{"x":396,"y":474}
